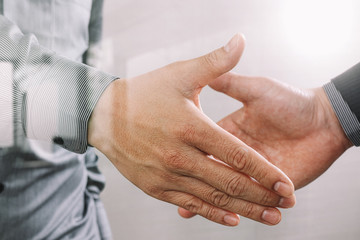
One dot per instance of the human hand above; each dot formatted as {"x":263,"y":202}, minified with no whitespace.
{"x":153,"y":130}
{"x":296,"y":130}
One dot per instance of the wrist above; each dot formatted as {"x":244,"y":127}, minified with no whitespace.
{"x":106,"y":111}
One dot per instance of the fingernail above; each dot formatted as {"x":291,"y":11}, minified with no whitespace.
{"x":233,"y":43}
{"x":283,"y":189}
{"x":231,"y":220}
{"x":270,"y":216}
{"x":287,"y":202}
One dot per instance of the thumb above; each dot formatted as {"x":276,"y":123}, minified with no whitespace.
{"x":202,"y":70}
{"x":242,"y":88}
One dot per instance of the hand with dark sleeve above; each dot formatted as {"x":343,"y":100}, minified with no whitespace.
{"x":300,"y":131}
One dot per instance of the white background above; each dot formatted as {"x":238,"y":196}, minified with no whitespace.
{"x":304,"y":43}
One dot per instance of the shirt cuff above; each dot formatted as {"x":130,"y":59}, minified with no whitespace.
{"x":44,"y":96}
{"x":58,"y":108}
{"x":347,"y":118}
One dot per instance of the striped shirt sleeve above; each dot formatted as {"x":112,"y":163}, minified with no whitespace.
{"x":50,"y":97}
{"x":344,"y":95}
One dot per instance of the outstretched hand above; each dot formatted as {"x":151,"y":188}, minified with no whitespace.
{"x":296,"y":130}
{"x":152,"y":129}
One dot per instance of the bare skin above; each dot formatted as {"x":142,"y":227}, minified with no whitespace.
{"x":152,"y":129}
{"x":296,"y":130}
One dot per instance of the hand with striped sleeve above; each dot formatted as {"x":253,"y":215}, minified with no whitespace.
{"x":153,"y":130}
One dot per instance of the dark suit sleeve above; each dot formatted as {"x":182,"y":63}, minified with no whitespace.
{"x":344,"y":95}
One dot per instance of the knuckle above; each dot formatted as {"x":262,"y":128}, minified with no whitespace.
{"x":173,"y":159}
{"x":220,"y":199}
{"x":236,"y":187}
{"x":261,"y":174}
{"x":248,"y":210}
{"x":239,"y":158}
{"x":267,"y":199}
{"x":211,"y":213}
{"x":193,"y":205}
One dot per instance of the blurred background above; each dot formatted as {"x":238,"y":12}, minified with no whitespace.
{"x":302,"y":42}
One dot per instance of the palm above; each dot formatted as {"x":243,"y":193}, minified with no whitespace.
{"x":287,"y":126}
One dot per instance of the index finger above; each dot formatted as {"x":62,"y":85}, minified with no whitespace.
{"x":224,"y":146}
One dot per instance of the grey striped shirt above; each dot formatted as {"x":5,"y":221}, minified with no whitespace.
{"x":49,"y":191}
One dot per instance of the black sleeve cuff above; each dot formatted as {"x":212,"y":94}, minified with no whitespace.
{"x":348,"y":85}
